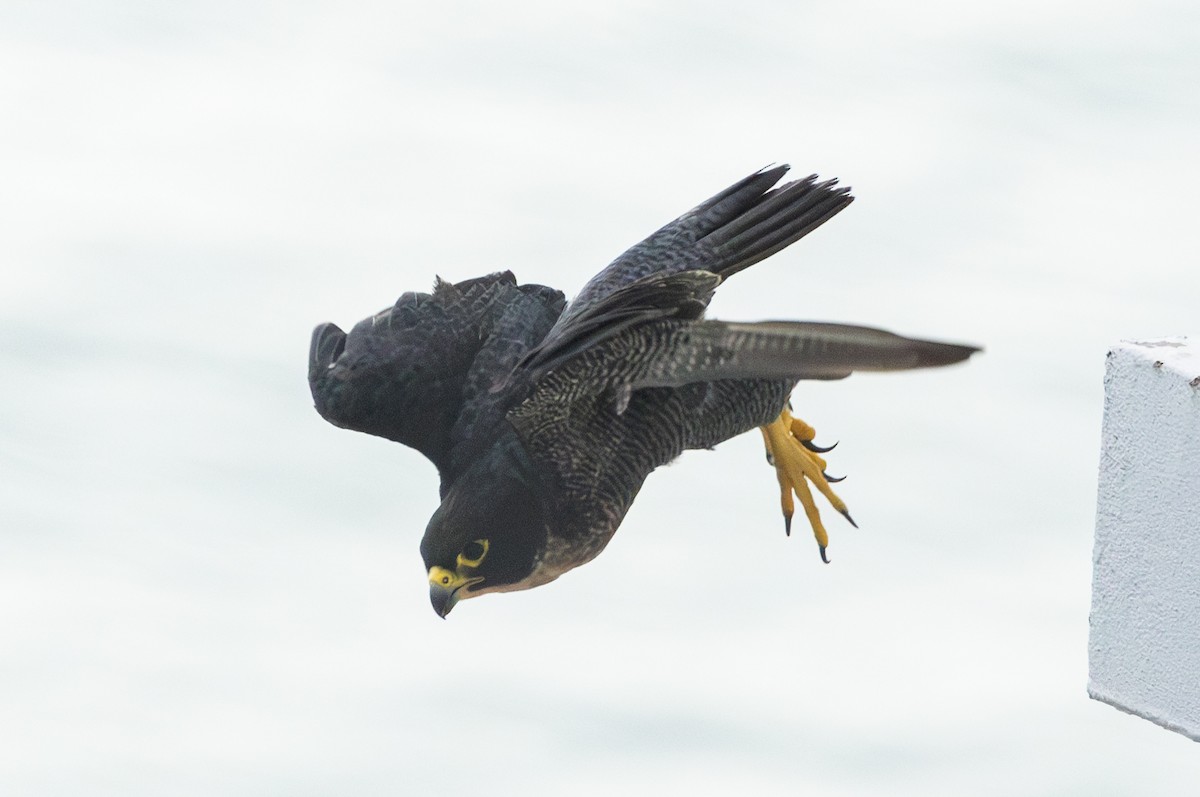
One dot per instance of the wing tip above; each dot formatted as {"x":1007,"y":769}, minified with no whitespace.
{"x":935,"y":354}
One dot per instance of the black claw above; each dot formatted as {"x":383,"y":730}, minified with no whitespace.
{"x":787,"y":525}
{"x":846,"y":515}
{"x":816,"y":449}
{"x":832,"y":479}
{"x":824,"y":558}
{"x":770,"y":459}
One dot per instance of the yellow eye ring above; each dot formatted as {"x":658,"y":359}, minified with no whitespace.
{"x":473,"y":553}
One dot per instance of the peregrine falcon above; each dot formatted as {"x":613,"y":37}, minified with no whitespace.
{"x":544,"y":419}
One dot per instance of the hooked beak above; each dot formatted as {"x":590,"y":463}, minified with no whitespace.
{"x":445,"y":588}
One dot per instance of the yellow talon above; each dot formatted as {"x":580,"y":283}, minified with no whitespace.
{"x":801,"y":430}
{"x":796,"y":466}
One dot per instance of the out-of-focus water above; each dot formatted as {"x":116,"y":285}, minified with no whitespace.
{"x":204,"y":588}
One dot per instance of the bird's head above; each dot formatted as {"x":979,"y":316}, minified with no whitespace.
{"x":489,"y":532}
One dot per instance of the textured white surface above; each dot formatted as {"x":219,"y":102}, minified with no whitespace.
{"x":1144,"y":651}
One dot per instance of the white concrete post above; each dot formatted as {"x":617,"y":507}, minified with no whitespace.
{"x":1144,"y":648}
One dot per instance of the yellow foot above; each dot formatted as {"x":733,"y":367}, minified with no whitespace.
{"x":797,"y":462}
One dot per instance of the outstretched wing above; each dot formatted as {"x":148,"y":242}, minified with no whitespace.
{"x":654,"y":297}
{"x":422,"y":372}
{"x":740,"y":226}
{"x":614,"y":404}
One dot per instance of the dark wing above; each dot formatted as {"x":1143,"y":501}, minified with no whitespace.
{"x":655,"y":297}
{"x":742,"y":225}
{"x":610,"y":408}
{"x":422,"y":372}
{"x":672,"y":353}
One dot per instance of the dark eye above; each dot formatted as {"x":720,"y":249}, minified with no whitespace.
{"x":474,"y":551}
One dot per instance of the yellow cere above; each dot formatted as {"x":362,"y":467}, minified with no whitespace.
{"x":441,"y":576}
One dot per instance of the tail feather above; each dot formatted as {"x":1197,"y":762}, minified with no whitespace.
{"x":328,"y":342}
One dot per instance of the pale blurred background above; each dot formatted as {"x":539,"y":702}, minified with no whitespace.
{"x":206,"y":589}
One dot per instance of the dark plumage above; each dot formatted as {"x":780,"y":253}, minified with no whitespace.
{"x":543,"y":423}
